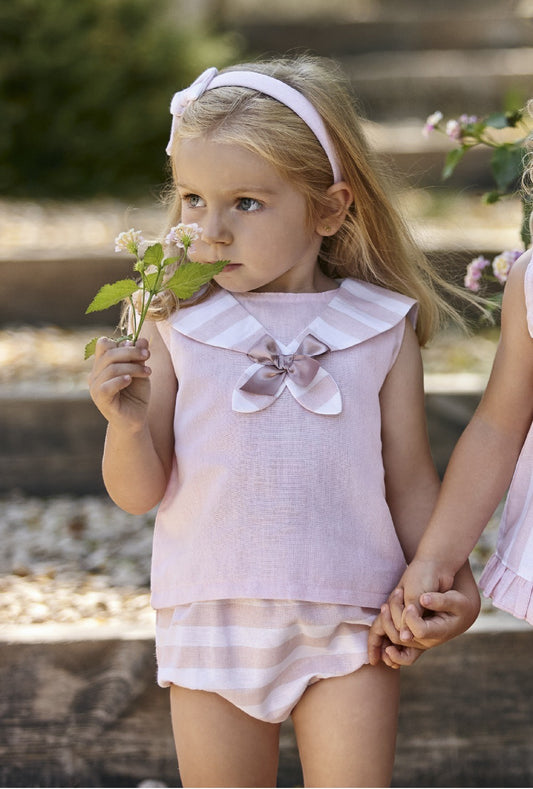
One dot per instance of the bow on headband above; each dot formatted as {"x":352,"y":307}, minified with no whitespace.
{"x":309,"y":383}
{"x":182,"y":99}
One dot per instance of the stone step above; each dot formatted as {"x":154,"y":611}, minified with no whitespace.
{"x":405,"y":59}
{"x":398,"y":85}
{"x":54,"y":284}
{"x":385,"y":12}
{"x":52,"y":441}
{"x":82,"y":709}
{"x":341,"y":35}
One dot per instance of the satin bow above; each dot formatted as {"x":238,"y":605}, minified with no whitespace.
{"x":182,"y":99}
{"x":274,"y":369}
{"x":275,"y":365}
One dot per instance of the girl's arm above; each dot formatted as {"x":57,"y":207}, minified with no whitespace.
{"x":412,"y":487}
{"x":411,"y":480}
{"x":138,"y":402}
{"x":482,"y":464}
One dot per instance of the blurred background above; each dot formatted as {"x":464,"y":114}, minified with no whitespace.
{"x":85,"y":88}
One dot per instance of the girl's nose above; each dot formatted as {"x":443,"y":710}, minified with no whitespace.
{"x":216,"y":230}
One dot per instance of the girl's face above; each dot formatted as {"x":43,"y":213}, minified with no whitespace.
{"x":250,"y":216}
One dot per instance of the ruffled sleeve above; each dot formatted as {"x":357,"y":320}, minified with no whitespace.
{"x":510,"y":592}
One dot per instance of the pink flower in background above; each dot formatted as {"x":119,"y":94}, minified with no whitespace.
{"x":432,"y":122}
{"x":502,"y":264}
{"x":454,"y":130}
{"x":467,"y":120}
{"x":474,"y":272}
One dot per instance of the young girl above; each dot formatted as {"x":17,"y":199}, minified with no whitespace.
{"x":281,"y":425}
{"x":495,"y":453}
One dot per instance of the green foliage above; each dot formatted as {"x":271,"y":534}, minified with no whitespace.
{"x":508,"y":158}
{"x":85,"y":87}
{"x":156,"y":276}
{"x":112,"y":294}
{"x":190,"y":278}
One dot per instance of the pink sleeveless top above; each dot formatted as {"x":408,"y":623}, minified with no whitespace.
{"x":508,"y":576}
{"x":277,"y":488}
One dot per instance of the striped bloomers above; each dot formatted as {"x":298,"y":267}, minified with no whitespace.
{"x":260,"y":655}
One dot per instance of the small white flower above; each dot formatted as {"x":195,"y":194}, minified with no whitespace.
{"x":432,"y":122}
{"x":183,"y":235}
{"x":128,"y":241}
{"x":454,"y":130}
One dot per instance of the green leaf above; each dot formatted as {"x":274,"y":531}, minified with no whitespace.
{"x":489,"y":198}
{"x":191,"y":276}
{"x":109,"y":295}
{"x":153,"y":255}
{"x":497,"y":120}
{"x":452,"y":160}
{"x":506,"y":165}
{"x":150,"y":280}
{"x":90,"y":348}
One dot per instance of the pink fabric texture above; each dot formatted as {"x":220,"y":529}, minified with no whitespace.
{"x":260,"y":655}
{"x":508,"y":576}
{"x":283,"y":499}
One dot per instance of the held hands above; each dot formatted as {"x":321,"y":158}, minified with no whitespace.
{"x":408,"y":625}
{"x":119,"y":382}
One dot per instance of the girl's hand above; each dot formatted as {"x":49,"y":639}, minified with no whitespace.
{"x":453,"y":613}
{"x":384,"y":643}
{"x":420,"y":577}
{"x":119,"y":382}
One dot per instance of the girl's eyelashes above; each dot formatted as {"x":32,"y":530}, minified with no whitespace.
{"x":192,"y":200}
{"x":248,"y":204}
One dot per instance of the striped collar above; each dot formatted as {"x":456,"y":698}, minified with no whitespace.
{"x":356,"y":312}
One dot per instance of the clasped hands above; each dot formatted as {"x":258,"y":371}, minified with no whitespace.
{"x":413,"y":620}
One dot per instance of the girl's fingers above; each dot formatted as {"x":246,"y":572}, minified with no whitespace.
{"x":114,"y":386}
{"x":450,"y":602}
{"x":134,"y":370}
{"x":375,"y":642}
{"x":402,"y":656}
{"x":396,"y":605}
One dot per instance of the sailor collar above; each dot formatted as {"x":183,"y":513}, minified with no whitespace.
{"x":356,"y":312}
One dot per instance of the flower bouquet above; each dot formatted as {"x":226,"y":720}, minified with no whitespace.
{"x":160,"y":268}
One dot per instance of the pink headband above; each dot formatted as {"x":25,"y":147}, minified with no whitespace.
{"x":270,"y":86}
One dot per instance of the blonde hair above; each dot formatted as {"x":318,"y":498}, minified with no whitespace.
{"x":374,"y":243}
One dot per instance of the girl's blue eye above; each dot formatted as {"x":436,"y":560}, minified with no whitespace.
{"x":249,"y":204}
{"x":193,"y":201}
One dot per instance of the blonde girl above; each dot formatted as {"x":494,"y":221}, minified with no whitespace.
{"x":280,"y":427}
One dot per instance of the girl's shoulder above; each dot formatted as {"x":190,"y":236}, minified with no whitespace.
{"x":519,"y":291}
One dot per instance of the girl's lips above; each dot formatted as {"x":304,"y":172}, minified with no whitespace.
{"x":231,"y":266}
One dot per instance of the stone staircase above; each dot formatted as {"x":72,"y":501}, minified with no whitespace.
{"x":405,"y":60}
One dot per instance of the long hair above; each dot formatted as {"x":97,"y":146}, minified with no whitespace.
{"x":374,"y":243}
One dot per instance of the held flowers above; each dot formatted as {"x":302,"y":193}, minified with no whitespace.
{"x":160,"y":269}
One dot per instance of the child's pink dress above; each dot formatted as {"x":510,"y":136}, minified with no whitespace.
{"x":274,"y":545}
{"x":508,"y":576}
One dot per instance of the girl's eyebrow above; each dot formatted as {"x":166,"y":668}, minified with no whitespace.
{"x":237,"y":189}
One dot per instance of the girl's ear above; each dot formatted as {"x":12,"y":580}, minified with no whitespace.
{"x":340,"y":198}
